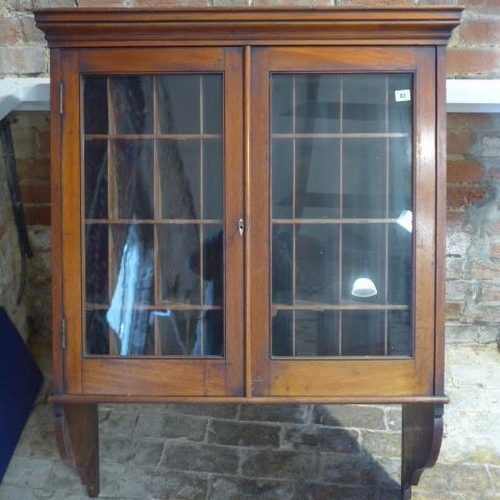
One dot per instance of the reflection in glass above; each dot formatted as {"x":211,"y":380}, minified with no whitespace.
{"x":133,"y":179}
{"x":132,"y":104}
{"x":96,"y":263}
{"x":134,"y":287}
{"x":364,"y":256}
{"x":316,"y":263}
{"x":342,"y":176}
{"x":95,"y":104}
{"x":96,"y":179}
{"x":363,"y":333}
{"x":364,"y":178}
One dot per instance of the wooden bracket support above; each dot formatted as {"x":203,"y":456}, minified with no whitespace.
{"x":422,"y":435}
{"x":77,"y":437}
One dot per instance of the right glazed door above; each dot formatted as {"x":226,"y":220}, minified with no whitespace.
{"x":342,"y":190}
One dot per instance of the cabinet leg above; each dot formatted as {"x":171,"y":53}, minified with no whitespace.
{"x":422,"y":435}
{"x":77,"y":436}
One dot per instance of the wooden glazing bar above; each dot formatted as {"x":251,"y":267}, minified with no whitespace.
{"x":336,"y":221}
{"x":156,"y":135}
{"x":156,"y":215}
{"x":294,"y":210}
{"x":341,"y":205}
{"x":386,"y":232}
{"x":128,"y":222}
{"x":340,"y":307}
{"x":340,"y":135}
{"x":112,"y":208}
{"x":156,"y":307}
{"x":202,"y":214}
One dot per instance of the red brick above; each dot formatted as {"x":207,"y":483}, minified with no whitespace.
{"x":460,"y":141}
{"x":10,"y":31}
{"x":495,"y":251}
{"x":463,"y":171}
{"x":33,"y":169}
{"x":453,"y":310}
{"x":454,"y":216}
{"x":466,"y":195}
{"x":35,"y":193}
{"x":473,"y":62}
{"x":479,"y":32}
{"x":37,"y":215}
{"x":485,"y":270}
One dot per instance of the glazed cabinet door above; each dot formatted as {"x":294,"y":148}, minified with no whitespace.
{"x":152,"y":195}
{"x":342,"y":187}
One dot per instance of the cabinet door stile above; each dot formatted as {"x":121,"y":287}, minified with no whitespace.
{"x":259,"y":237}
{"x":71,"y":216}
{"x":234,"y":209}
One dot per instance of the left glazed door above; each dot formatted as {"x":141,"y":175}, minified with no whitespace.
{"x":152,"y":196}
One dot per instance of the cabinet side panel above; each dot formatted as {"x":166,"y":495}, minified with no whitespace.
{"x":440,"y":219}
{"x":55,"y":166}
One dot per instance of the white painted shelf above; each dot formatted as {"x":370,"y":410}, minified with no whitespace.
{"x":463,"y":96}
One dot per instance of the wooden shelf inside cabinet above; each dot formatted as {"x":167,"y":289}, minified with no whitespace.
{"x":249,"y":207}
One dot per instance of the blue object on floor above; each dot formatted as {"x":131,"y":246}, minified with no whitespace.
{"x":20,"y":381}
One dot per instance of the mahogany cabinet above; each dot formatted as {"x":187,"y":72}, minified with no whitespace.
{"x":248,"y":206}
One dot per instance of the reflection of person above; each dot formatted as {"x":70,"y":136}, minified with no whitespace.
{"x":210,"y":327}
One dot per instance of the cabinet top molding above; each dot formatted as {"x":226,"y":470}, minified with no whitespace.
{"x":248,"y":26}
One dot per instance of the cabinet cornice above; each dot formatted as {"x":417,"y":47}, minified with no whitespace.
{"x":250,"y":26}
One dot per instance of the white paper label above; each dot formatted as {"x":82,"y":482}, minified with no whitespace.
{"x":403,"y":95}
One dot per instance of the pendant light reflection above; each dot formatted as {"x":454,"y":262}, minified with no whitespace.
{"x":364,"y":287}
{"x":405,"y":220}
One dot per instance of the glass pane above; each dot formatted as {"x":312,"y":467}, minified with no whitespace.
{"x":96,"y":179}
{"x":364,"y":258}
{"x":364,"y":179}
{"x":342,"y":203}
{"x":316,"y":106}
{"x":282,"y":104}
{"x":282,"y":263}
{"x":363,"y":333}
{"x":180,"y":178}
{"x":95,"y":101}
{"x":132,"y":104}
{"x":317,"y":263}
{"x":400,"y":176}
{"x":133,"y":179}
{"x":282,"y":338}
{"x":364,"y":108}
{"x":317,"y":179}
{"x":213,"y":195}
{"x":212,"y":104}
{"x":317,"y":334}
{"x":96,"y":263}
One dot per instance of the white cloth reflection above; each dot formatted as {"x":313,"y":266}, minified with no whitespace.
{"x":133,"y":287}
